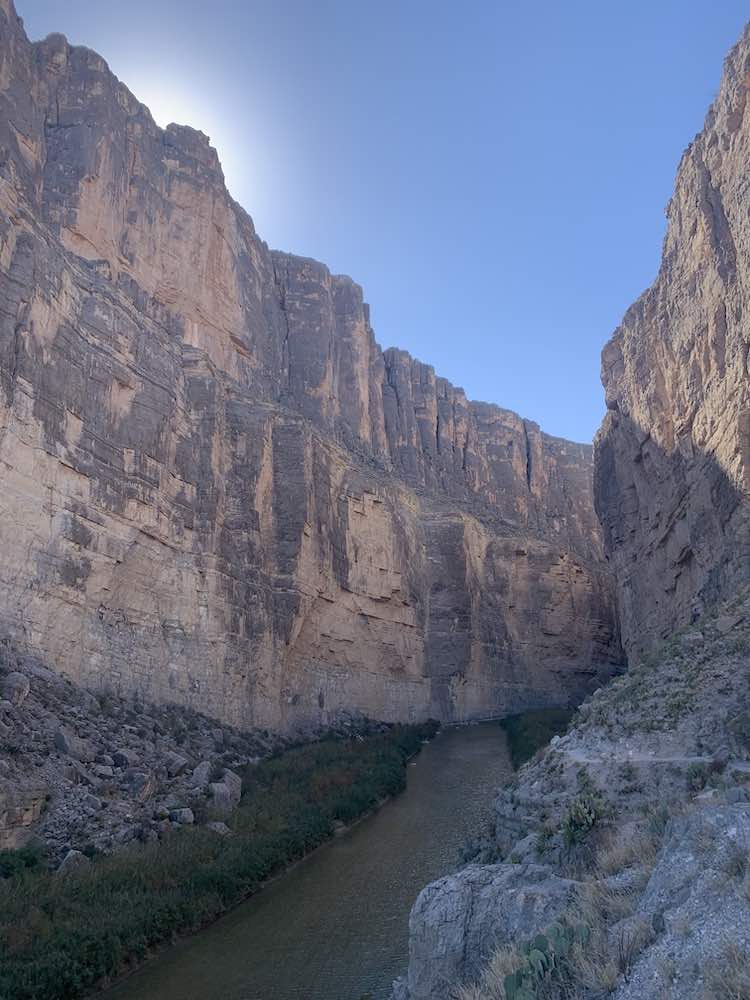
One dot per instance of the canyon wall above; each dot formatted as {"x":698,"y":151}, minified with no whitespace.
{"x":216,"y":489}
{"x":673,"y":455}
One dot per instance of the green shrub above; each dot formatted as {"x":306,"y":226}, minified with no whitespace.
{"x":584,"y":812}
{"x":531,"y":731}
{"x":697,"y":776}
{"x":25,"y":859}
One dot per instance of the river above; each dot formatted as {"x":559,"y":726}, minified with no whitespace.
{"x":334,"y":927}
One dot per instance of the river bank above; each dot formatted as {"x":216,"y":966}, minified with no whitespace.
{"x":336,"y":926}
{"x":60,"y":935}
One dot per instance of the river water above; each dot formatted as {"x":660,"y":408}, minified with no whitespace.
{"x":335,"y":926}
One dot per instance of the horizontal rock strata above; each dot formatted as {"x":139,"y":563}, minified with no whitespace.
{"x":217,"y":490}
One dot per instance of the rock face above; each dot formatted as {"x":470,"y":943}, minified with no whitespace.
{"x":458,"y":921}
{"x":673,"y":454}
{"x":217,"y":490}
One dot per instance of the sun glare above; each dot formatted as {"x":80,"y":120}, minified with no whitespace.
{"x":169,"y":103}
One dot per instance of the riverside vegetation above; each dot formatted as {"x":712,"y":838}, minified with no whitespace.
{"x":61,"y":934}
{"x":530,"y":731}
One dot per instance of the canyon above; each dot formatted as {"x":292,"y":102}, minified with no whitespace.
{"x":230,"y":520}
{"x":218,"y":491}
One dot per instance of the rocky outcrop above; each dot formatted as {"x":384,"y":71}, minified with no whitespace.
{"x":697,"y":897}
{"x":457,"y":922}
{"x":217,"y":490}
{"x":673,"y":454}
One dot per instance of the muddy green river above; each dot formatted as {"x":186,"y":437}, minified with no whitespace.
{"x":335,"y":926}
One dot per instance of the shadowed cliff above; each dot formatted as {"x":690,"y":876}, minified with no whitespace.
{"x":673,"y":454}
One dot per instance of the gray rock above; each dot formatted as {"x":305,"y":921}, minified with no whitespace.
{"x":725,"y":623}
{"x":184,"y":817}
{"x":72,"y":861}
{"x":720,"y":759}
{"x":457,"y":921}
{"x":125,"y":758}
{"x":201,"y":774}
{"x":67,"y":743}
{"x":142,"y":785}
{"x":218,"y":827}
{"x":175,"y":764}
{"x":81,"y":775}
{"x":695,"y":900}
{"x":222,"y":800}
{"x":15,"y":687}
{"x":400,"y":989}
{"x":234,"y":784}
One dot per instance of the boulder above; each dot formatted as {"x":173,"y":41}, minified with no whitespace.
{"x":175,"y":764}
{"x":15,"y":687}
{"x":222,"y":800}
{"x":699,"y":883}
{"x":72,"y":861}
{"x":201,"y":774}
{"x":125,"y":758}
{"x":184,"y":817}
{"x":67,"y":743}
{"x":458,"y":921}
{"x":218,"y":827}
{"x":76,"y":772}
{"x":234,"y":783}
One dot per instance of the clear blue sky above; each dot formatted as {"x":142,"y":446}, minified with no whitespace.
{"x":493,"y":173}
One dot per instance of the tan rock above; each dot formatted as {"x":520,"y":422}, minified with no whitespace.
{"x":217,"y":490}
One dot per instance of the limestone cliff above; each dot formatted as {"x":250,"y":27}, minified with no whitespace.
{"x":673,"y":454}
{"x":217,"y":490}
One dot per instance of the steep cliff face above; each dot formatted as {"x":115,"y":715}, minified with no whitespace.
{"x":673,"y":454}
{"x":216,"y":488}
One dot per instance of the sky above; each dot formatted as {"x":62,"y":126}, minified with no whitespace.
{"x":494,"y":173}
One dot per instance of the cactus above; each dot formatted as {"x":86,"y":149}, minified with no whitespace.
{"x":545,"y":960}
{"x":584,"y":813}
